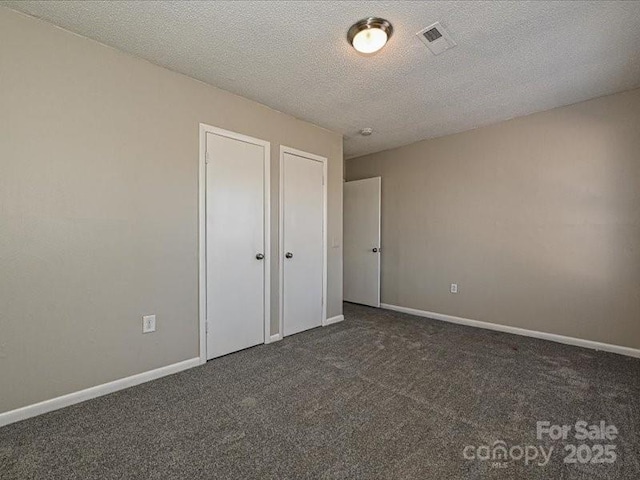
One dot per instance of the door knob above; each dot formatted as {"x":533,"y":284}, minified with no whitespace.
{"x":289,"y":255}
{"x":259,"y":256}
{"x":375,"y":250}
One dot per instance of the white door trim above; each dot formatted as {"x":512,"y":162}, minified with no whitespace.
{"x":299,"y":153}
{"x":202,"y":230}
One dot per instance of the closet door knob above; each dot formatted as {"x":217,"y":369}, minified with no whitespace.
{"x":289,"y":255}
{"x":259,"y":256}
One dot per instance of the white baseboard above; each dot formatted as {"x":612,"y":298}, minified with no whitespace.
{"x":578,"y":342}
{"x":88,"y":393}
{"x":332,"y":320}
{"x":274,"y":338}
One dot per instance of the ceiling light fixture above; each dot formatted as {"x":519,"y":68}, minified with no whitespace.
{"x":370,"y":34}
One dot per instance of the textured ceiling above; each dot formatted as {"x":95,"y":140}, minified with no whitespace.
{"x":512,"y":58}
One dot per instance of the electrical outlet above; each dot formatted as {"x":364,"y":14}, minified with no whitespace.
{"x":148,"y":323}
{"x":454,"y":288}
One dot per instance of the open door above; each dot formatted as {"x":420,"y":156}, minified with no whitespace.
{"x":362,"y":241}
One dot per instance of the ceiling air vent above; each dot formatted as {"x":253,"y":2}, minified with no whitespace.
{"x":436,"y":38}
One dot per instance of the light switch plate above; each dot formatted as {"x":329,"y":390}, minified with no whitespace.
{"x":454,"y":288}
{"x":148,"y":323}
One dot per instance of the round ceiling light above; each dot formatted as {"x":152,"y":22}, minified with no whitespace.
{"x":370,"y":34}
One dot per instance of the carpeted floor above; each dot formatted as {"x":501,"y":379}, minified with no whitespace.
{"x":381,"y":395}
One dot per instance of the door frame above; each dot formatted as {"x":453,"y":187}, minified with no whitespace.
{"x":202,"y":230}
{"x":310,"y":156}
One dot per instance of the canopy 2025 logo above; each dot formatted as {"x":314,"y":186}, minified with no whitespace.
{"x":596,"y":446}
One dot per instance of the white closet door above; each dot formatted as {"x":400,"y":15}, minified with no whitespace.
{"x":303,"y":243}
{"x":235,"y":212}
{"x":362,"y":241}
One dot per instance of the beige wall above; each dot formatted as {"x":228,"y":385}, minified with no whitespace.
{"x":537,"y":219}
{"x":99,"y":212}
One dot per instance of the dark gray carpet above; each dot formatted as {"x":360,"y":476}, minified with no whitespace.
{"x":381,"y":395}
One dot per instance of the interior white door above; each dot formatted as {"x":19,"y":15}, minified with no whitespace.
{"x":235,"y":253}
{"x":362,"y":241}
{"x":302,"y":242}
